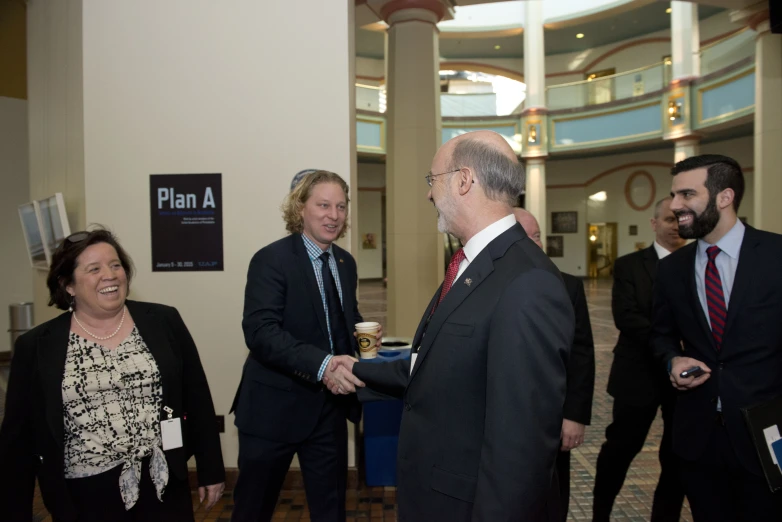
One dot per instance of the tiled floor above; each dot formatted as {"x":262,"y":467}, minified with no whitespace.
{"x":377,"y":504}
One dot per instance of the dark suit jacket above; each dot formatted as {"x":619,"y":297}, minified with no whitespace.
{"x":581,"y":365}
{"x":32,"y":434}
{"x":284,"y":325}
{"x":636,"y":377}
{"x":482,"y":412}
{"x":748,"y":368}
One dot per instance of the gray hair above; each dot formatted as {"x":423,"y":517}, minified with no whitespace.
{"x":502,"y":178}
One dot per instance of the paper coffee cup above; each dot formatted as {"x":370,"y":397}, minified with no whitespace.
{"x":366,"y":336}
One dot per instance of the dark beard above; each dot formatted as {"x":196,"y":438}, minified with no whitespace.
{"x":702,"y":224}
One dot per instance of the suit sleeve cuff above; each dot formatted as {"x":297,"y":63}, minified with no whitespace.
{"x":323,"y":366}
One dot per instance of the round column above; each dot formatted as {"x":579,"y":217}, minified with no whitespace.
{"x":415,"y":247}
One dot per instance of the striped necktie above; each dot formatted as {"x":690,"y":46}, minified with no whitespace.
{"x":715,"y":298}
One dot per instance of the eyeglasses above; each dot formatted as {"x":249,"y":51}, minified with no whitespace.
{"x":430,"y":177}
{"x":78,"y":236}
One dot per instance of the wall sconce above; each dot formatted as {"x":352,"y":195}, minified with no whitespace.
{"x":532,"y":134}
{"x":674,"y":110}
{"x":593,"y":238}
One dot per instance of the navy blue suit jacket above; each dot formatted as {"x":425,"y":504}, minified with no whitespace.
{"x":748,"y":369}
{"x":279,"y":397}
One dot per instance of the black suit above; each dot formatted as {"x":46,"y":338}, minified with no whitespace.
{"x":722,"y":477}
{"x":482,"y":412}
{"x":639,"y":386}
{"x":32,"y":435}
{"x":281,"y":408}
{"x":580,"y":380}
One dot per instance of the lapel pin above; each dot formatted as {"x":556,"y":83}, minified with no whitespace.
{"x":468,"y":281}
{"x":341,"y":260}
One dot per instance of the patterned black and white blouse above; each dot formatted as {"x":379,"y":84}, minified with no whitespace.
{"x":111,"y":405}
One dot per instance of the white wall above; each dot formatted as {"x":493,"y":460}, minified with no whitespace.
{"x":371,"y":182}
{"x":193,"y":95}
{"x":55,"y":109}
{"x":616,"y":208}
{"x":370,"y":261}
{"x":16,"y":281}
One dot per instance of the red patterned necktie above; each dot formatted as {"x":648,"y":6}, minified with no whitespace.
{"x":450,"y":274}
{"x":715,"y":298}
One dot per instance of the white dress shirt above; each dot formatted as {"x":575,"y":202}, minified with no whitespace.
{"x":479,"y":241}
{"x":727,"y":261}
{"x":661,"y":250}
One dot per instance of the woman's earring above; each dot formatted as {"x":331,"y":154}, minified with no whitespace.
{"x":73,"y":301}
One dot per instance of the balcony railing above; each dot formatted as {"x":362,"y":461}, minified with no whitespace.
{"x":606,"y":89}
{"x":623,"y":86}
{"x":727,"y":51}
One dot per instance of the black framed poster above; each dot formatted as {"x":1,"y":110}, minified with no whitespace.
{"x":186,"y":222}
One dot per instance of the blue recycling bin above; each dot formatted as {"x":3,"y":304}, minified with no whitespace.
{"x":381,"y":430}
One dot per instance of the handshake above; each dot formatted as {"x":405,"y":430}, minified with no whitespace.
{"x":339,"y":378}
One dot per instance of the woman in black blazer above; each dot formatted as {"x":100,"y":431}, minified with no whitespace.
{"x":107,"y":402}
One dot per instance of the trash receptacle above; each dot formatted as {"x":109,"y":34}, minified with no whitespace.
{"x":20,"y":317}
{"x":382,"y":420}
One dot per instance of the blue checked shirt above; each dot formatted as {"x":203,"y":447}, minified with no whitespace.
{"x":314,"y":252}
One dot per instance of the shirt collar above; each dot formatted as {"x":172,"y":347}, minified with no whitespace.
{"x":661,"y":250}
{"x":313,"y":250}
{"x":730,"y":243}
{"x":479,"y":241}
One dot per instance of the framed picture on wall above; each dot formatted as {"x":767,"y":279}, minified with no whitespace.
{"x":633,"y":230}
{"x":555,"y":246}
{"x":564,"y":222}
{"x":369,"y":242}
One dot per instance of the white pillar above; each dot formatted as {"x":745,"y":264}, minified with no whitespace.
{"x":685,"y":40}
{"x":534,"y":115}
{"x":685,"y":148}
{"x":535,"y":196}
{"x":768,"y":129}
{"x":534,"y":55}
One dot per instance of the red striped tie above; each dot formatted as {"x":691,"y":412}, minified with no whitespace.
{"x":450,"y":275}
{"x":715,"y":298}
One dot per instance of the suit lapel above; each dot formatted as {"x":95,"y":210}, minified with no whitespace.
{"x":477,"y":272}
{"x":650,"y":262}
{"x":742,"y":283}
{"x":308,"y":273}
{"x":344,"y":282}
{"x":692,"y":288}
{"x":52,"y":349}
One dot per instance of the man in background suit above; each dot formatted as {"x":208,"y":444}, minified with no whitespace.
{"x":580,"y":370}
{"x":717,"y":305}
{"x":484,"y":392}
{"x":300,"y":310}
{"x":638,"y":384}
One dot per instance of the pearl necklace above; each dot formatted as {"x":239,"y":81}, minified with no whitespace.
{"x":124,"y":309}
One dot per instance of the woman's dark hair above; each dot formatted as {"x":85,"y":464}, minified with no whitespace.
{"x":64,"y":262}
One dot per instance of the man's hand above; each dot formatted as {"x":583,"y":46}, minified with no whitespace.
{"x":572,"y":434}
{"x":339,"y":378}
{"x":679,"y":364}
{"x":212,"y":494}
{"x":378,"y":336}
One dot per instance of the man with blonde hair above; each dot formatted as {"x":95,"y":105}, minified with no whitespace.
{"x":300,"y":310}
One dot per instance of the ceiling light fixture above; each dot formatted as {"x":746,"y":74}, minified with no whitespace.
{"x":580,"y":35}
{"x":496,"y":47}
